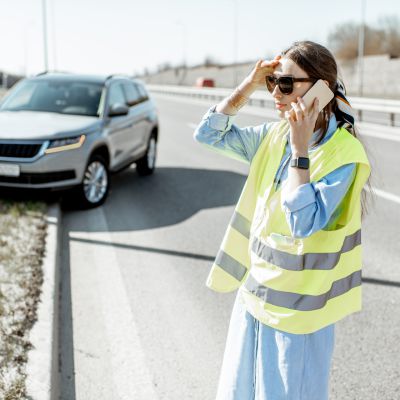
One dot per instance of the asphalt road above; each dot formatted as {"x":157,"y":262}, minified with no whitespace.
{"x":137,"y":321}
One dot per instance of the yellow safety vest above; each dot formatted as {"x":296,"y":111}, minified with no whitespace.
{"x":292,"y":284}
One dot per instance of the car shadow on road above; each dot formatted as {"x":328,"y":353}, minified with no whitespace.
{"x":168,"y":197}
{"x":25,"y":195}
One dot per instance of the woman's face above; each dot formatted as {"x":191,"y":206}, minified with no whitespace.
{"x":282,"y":101}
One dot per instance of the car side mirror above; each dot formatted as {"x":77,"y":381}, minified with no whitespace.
{"x":118,"y":109}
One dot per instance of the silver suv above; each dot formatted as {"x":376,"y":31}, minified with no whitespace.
{"x":60,"y":130}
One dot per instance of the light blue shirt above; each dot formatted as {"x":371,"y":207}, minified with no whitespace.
{"x":311,"y":206}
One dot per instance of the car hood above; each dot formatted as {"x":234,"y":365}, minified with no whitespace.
{"x":31,"y":125}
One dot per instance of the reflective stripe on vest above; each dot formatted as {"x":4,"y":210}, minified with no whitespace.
{"x":241,"y":224}
{"x":302,"y":302}
{"x":299,"y":262}
{"x":230,"y":265}
{"x":224,"y":260}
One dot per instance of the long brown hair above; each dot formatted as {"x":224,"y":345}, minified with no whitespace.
{"x":318,"y":62}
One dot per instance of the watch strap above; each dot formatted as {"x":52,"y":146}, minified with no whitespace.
{"x":300,"y":162}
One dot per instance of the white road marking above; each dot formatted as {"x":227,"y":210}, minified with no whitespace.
{"x":385,"y":195}
{"x":131,"y":376}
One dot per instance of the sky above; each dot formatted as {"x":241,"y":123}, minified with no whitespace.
{"x":127,"y":36}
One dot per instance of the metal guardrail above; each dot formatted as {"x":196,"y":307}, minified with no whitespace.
{"x":262,"y":99}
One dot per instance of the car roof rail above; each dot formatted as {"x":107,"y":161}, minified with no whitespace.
{"x":51,"y":71}
{"x":116,"y":76}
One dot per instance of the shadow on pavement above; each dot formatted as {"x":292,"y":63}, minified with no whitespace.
{"x":168,"y":197}
{"x":66,"y":365}
{"x":44,"y":195}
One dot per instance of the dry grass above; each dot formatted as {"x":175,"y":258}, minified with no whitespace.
{"x":22,"y":244}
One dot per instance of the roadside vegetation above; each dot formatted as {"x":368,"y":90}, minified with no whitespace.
{"x":22,"y":245}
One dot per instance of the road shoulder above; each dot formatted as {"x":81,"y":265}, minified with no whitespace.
{"x":42,"y":366}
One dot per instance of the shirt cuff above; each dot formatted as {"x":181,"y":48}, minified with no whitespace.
{"x":299,"y":198}
{"x":219,"y":121}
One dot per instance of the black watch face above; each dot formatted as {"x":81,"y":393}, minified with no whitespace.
{"x":300,"y":162}
{"x":303,"y":162}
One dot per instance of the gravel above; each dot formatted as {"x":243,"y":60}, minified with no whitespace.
{"x":22,"y":245}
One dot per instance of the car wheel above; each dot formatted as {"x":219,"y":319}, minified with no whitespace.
{"x":147,"y":164}
{"x":93,"y":190}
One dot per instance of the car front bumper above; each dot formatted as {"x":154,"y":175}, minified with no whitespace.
{"x":54,"y":171}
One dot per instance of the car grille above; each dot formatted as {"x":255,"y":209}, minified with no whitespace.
{"x":19,"y":150}
{"x":37,"y":178}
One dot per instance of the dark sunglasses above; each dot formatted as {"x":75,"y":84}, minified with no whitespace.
{"x":285,"y":83}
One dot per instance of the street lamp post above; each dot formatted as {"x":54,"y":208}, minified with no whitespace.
{"x":45,"y":47}
{"x":53,"y":35}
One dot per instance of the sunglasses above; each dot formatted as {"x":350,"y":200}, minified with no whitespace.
{"x":285,"y":83}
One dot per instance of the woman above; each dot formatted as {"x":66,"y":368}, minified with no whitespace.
{"x":293,"y":246}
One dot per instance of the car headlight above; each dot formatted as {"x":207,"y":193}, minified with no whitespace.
{"x":65,"y":144}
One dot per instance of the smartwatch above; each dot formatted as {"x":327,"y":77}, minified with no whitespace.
{"x":300,"y":162}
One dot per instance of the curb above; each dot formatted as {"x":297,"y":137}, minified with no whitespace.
{"x":42,"y":366}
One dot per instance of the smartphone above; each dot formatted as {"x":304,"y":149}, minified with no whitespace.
{"x":320,"y":90}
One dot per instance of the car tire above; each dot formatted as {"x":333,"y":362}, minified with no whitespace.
{"x":93,"y":190}
{"x":146,"y":165}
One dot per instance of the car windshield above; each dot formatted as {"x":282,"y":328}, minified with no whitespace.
{"x":58,"y":96}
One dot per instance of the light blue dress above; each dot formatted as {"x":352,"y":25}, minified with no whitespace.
{"x":261,"y":362}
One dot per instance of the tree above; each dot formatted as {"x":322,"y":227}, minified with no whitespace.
{"x":382,"y":39}
{"x":391,"y":26}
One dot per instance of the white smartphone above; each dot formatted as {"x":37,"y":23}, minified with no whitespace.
{"x":320,"y":90}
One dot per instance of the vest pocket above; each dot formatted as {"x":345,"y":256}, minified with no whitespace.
{"x":283,"y":242}
{"x":269,"y":247}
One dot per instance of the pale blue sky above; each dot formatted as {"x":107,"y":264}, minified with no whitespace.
{"x":108,"y":36}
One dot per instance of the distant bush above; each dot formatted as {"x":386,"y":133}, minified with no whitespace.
{"x":381,"y":39}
